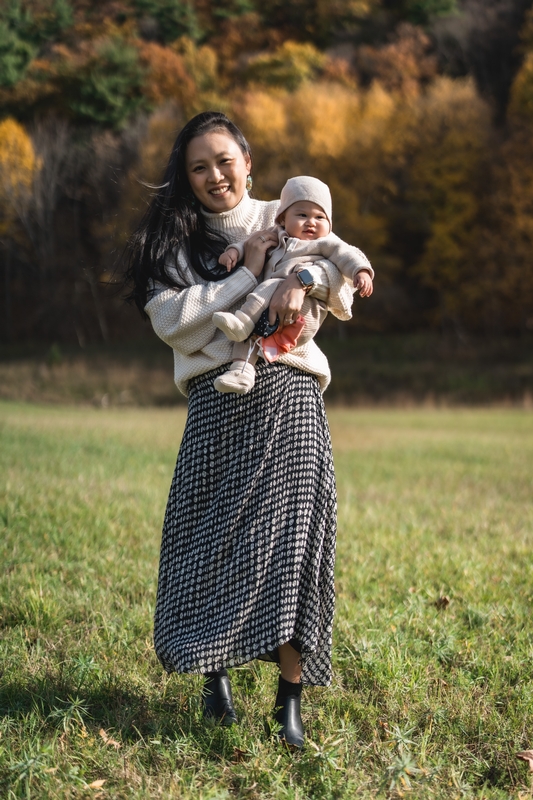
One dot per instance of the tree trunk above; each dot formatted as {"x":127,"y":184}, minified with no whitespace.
{"x":7,"y":293}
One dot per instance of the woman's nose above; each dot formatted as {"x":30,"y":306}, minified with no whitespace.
{"x":214,"y":174}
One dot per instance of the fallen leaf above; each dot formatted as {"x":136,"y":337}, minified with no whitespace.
{"x":526,"y":755}
{"x":96,"y":784}
{"x":238,"y":755}
{"x":442,"y":602}
{"x":108,"y":740}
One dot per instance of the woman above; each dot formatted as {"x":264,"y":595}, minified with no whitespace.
{"x":248,"y":546}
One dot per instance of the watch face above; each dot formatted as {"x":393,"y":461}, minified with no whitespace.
{"x":306,"y":277}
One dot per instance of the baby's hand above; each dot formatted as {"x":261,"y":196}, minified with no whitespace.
{"x":363,"y":282}
{"x":229,"y":258}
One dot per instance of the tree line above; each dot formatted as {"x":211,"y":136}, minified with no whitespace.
{"x":418,"y":114}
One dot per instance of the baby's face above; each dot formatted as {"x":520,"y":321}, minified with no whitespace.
{"x":305,"y":220}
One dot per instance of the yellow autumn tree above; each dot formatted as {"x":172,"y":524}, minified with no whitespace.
{"x":288,"y":66}
{"x":167,"y":78}
{"x":404,"y":170}
{"x":19,"y":166}
{"x":447,"y":173}
{"x":507,"y":241}
{"x":339,"y":133}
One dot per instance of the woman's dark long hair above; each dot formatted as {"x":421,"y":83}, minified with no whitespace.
{"x":174,"y":221}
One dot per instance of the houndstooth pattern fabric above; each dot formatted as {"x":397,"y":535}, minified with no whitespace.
{"x":248,"y":548}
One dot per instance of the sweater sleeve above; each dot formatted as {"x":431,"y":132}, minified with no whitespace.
{"x":347,"y":258}
{"x":340,"y":297}
{"x":182,"y":317}
{"x":239,"y":247}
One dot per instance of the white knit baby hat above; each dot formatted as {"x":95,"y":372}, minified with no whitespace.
{"x":303,"y":187}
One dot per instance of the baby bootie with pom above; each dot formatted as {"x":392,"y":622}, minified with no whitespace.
{"x":237,"y":327}
{"x":239,"y":379}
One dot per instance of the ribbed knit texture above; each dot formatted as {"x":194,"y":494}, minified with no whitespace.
{"x":183,"y":317}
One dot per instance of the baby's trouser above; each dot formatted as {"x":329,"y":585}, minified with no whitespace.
{"x":258,"y":300}
{"x":313,"y":311}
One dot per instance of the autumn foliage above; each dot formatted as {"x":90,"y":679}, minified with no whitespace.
{"x":18,"y":168}
{"x":425,"y":177}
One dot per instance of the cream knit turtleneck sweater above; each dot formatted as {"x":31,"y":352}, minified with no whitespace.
{"x":182,"y":317}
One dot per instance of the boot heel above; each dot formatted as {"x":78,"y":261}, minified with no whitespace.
{"x":217,"y":698}
{"x":288,"y":714}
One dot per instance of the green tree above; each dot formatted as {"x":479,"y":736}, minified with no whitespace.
{"x":230,"y":9}
{"x":23,"y":31}
{"x":175,"y":18}
{"x":109,"y":89}
{"x":420,"y":12}
{"x":50,"y":23}
{"x":16,"y":51}
{"x":315,"y":20}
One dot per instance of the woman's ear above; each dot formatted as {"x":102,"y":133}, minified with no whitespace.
{"x":248,"y":162}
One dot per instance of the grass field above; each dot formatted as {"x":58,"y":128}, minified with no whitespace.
{"x":433,"y":643}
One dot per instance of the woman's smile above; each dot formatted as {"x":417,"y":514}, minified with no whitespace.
{"x":218,"y":190}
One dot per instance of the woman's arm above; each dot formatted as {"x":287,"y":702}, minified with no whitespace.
{"x":182,"y":317}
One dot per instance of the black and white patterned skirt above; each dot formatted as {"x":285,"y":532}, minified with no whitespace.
{"x":248,"y":548}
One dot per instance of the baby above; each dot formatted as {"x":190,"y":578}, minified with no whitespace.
{"x":304,"y":237}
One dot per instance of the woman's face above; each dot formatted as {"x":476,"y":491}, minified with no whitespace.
{"x":217,"y":170}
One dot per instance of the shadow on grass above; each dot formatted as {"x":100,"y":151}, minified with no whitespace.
{"x":124,"y":713}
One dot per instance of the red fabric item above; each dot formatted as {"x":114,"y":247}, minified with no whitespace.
{"x":280,"y":342}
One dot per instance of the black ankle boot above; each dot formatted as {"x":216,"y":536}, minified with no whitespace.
{"x":217,"y":699}
{"x":288,"y":713}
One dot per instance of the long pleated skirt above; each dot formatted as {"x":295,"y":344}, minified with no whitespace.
{"x":248,"y":547}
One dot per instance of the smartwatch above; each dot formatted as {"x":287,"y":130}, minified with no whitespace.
{"x":306,"y":279}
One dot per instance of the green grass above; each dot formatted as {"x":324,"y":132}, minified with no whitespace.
{"x":429,"y":699}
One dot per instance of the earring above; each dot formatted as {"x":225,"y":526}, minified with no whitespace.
{"x":249,"y":183}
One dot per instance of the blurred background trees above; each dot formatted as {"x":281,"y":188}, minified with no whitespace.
{"x":418,"y":114}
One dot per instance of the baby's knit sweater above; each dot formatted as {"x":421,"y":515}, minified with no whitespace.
{"x":290,"y":252}
{"x":183,"y":317}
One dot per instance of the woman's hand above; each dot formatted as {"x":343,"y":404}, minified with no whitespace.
{"x":287,"y":301}
{"x":255,"y":249}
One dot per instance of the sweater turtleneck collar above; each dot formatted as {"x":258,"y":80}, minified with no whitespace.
{"x":236,"y":217}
